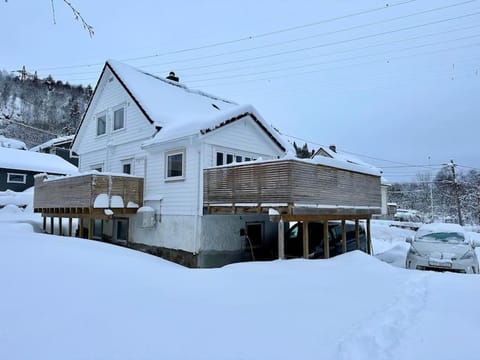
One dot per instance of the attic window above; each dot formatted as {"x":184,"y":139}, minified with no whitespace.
{"x":101,"y":125}
{"x":215,"y":106}
{"x":119,"y":119}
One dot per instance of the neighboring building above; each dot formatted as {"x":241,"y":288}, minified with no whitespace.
{"x":202,"y":174}
{"x":59,"y":146}
{"x":18,"y":168}
{"x":12,"y":143}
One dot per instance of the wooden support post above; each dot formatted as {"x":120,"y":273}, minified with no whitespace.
{"x":369,"y":238}
{"x":52,"y":225}
{"x":305,"y":240}
{"x":326,"y":245}
{"x":90,"y":228}
{"x":357,"y":233}
{"x":60,"y":226}
{"x":80,"y":227}
{"x":281,"y":240}
{"x":69,"y":226}
{"x":44,"y":224}
{"x":344,"y":238}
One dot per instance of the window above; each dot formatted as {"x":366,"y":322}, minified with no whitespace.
{"x":229,"y":158}
{"x":175,"y":165}
{"x":16,"y":178}
{"x":127,"y":168}
{"x":238,"y":158}
{"x":219,"y":158}
{"x":119,"y":119}
{"x":101,"y":125}
{"x":247,"y":159}
{"x":97,"y":167}
{"x":121,"y":229}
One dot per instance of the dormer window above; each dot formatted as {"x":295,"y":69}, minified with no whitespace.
{"x":101,"y":125}
{"x":119,"y":118}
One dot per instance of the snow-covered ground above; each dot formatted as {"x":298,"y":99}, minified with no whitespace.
{"x":68,"y":298}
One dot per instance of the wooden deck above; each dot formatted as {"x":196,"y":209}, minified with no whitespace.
{"x":87,"y":194}
{"x":294,"y":187}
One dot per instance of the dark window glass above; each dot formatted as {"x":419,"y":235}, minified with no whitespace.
{"x":17,"y":178}
{"x":127,"y":168}
{"x":175,"y":165}
{"x":219,"y":158}
{"x":229,"y":158}
{"x":247,"y":159}
{"x":238,"y":158}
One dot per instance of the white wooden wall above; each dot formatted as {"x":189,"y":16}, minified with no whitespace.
{"x":113,"y":148}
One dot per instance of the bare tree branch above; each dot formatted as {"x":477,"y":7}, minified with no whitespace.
{"x":79,"y":17}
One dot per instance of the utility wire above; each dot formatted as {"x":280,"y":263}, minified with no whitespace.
{"x":251,"y":37}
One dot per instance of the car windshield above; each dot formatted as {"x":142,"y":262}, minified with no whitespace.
{"x":446,"y":237}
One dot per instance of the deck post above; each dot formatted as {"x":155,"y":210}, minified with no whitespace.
{"x":357,"y":233}
{"x":52,"y":225}
{"x":281,"y":240}
{"x":369,"y":238}
{"x":326,"y":245}
{"x":60,"y":226}
{"x":44,"y":224}
{"x":306,"y":250}
{"x":80,"y":227}
{"x":344,"y":238}
{"x":90,"y":228}
{"x":69,"y":226}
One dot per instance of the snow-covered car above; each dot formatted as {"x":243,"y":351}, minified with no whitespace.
{"x":442,"y":247}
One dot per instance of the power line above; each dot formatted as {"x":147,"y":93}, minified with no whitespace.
{"x":252,"y":37}
{"x":331,"y":43}
{"x":311,"y":36}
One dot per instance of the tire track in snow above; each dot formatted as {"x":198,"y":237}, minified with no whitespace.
{"x":378,"y":337}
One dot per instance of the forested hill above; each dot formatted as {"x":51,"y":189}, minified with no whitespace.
{"x":29,"y":105}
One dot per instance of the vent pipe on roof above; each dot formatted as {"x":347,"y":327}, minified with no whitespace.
{"x":171,"y":76}
{"x":333,"y":148}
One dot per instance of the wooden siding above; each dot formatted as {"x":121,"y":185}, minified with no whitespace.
{"x":81,"y":191}
{"x":291,"y":182}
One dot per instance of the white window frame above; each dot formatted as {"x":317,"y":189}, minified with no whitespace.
{"x":24,"y":181}
{"x":97,"y":117}
{"x":128,"y":162}
{"x":172,"y":153}
{"x":116,"y":108}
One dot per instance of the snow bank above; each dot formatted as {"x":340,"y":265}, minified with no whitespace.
{"x":67,"y":298}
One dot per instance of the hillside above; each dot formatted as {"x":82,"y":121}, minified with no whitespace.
{"x":29,"y":105}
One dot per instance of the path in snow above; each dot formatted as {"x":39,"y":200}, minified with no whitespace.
{"x":379,"y":336}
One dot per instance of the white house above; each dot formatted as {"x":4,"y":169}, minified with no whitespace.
{"x":159,"y":129}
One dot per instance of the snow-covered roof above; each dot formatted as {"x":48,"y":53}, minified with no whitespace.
{"x":34,"y":161}
{"x":350,"y":160}
{"x":166,"y":102}
{"x":12,"y":143}
{"x":204,"y":124}
{"x":52,"y":142}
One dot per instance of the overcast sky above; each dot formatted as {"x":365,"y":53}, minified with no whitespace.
{"x":394,"y":82}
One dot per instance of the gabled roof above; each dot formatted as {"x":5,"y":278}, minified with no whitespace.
{"x":206,"y":124}
{"x":53,"y":142}
{"x":34,"y":161}
{"x":163,"y":101}
{"x":174,"y":109}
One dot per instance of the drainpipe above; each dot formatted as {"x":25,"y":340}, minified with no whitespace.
{"x":199,"y":201}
